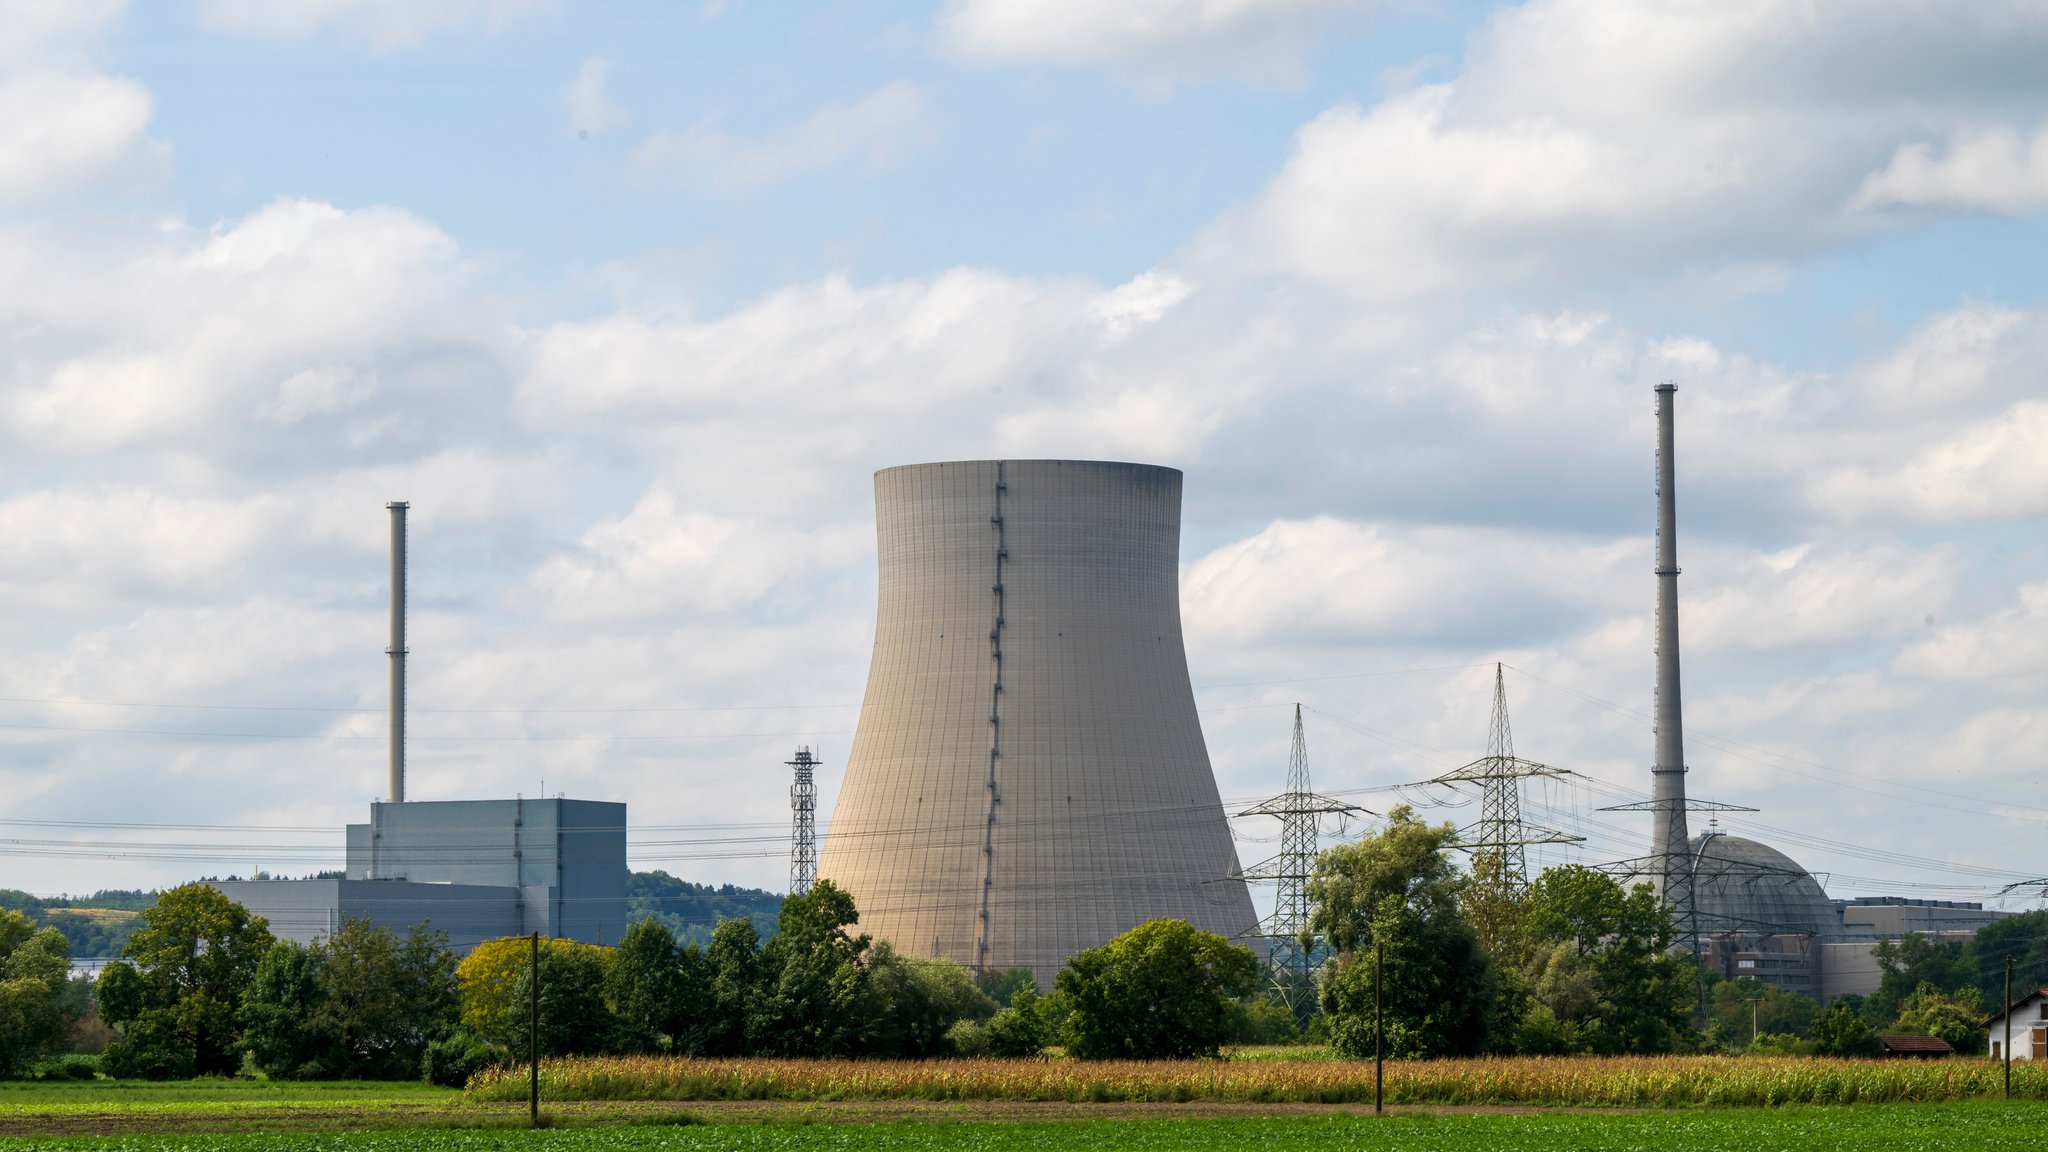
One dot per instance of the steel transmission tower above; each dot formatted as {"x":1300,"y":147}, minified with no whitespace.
{"x":1292,"y":952}
{"x":803,"y":827}
{"x":1498,"y":840}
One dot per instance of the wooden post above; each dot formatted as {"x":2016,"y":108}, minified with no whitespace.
{"x":1379,"y":1051}
{"x":533,"y":1037}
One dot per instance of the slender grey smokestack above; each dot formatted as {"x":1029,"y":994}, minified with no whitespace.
{"x":397,"y":650}
{"x":1671,"y":840}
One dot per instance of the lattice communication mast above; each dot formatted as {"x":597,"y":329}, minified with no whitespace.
{"x":1293,"y":955}
{"x":1497,"y":841}
{"x":803,"y":825}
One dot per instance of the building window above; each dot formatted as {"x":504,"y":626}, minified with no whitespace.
{"x":1745,"y":963}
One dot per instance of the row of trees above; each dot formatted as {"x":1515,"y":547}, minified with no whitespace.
{"x":206,"y":990}
{"x":1574,"y":963}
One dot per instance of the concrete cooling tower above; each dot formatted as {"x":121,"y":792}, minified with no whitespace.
{"x":1028,"y":778}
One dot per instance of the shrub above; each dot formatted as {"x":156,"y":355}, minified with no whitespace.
{"x":451,"y":1061}
{"x":1164,"y":989}
{"x":968,"y":1038}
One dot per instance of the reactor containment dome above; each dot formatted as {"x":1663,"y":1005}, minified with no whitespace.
{"x":1028,"y":778}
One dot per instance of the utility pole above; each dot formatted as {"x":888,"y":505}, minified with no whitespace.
{"x":1753,"y":1002}
{"x":803,"y":828}
{"x":1293,"y":958}
{"x":533,"y":1036}
{"x":1379,"y":1051}
{"x":2007,"y":1013}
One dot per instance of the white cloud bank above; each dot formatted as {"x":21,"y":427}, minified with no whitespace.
{"x":1585,"y":139}
{"x":1988,"y":169}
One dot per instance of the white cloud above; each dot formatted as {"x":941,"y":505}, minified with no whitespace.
{"x":60,"y":130}
{"x":869,"y":135}
{"x":1995,"y":467}
{"x":1260,"y":38}
{"x":2005,"y":651}
{"x":64,"y":124}
{"x":43,"y":30}
{"x":382,"y":24}
{"x":288,"y":314}
{"x":660,"y":561}
{"x":1987,"y":169}
{"x":1583,"y":139}
{"x":1142,"y":300}
{"x":591,"y":108}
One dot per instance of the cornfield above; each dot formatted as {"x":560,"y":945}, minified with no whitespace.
{"x":1647,"y":1081}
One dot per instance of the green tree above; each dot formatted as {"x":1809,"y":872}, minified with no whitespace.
{"x":1001,"y":986}
{"x":35,"y":964}
{"x":1024,"y":1027}
{"x":2023,"y":939}
{"x":176,"y":994}
{"x":1162,"y":990}
{"x":1841,"y":1032}
{"x":739,"y":977}
{"x":921,"y":999}
{"x":644,"y":988}
{"x":1601,"y":966}
{"x":360,"y":1004}
{"x":282,"y":1014}
{"x":574,"y":1018}
{"x":1399,"y":888}
{"x":1957,"y":1018}
{"x":1907,"y":964}
{"x":1777,"y":1010}
{"x":820,"y":998}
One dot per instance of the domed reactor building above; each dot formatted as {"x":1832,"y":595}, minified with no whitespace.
{"x":1028,"y":778}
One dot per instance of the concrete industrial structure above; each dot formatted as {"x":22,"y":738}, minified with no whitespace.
{"x":1029,"y":778}
{"x":1745,"y":908}
{"x":475,"y":869}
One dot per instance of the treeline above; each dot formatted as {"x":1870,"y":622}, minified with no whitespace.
{"x":1926,"y":987}
{"x":1575,"y":963}
{"x":204,"y":989}
{"x":1456,"y":963}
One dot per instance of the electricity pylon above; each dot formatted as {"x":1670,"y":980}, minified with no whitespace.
{"x":1290,"y":950}
{"x":1497,"y":841}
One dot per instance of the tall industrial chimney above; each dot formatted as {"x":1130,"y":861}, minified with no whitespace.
{"x":397,"y":650}
{"x":1671,"y":843}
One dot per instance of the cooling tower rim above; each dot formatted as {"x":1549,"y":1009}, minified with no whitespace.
{"x":1133,"y":464}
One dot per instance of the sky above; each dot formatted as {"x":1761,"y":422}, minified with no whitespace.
{"x":629,"y":301}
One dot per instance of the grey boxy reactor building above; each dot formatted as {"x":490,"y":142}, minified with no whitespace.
{"x":1028,"y":778}
{"x":475,"y":869}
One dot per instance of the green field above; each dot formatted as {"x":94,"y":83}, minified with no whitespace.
{"x":1947,"y":1127}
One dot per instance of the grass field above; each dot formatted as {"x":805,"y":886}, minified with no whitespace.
{"x":1653,"y":1082}
{"x":1946,"y":1127}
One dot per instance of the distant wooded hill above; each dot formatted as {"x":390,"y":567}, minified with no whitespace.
{"x":692,"y":911}
{"x":95,"y":925}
